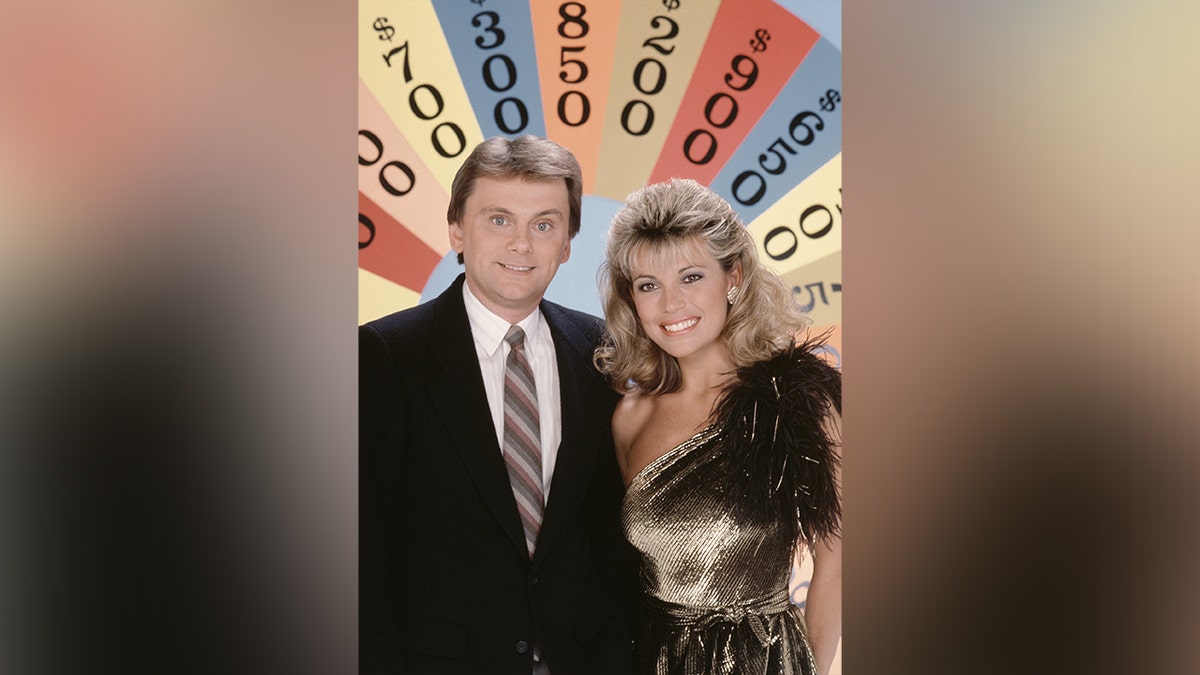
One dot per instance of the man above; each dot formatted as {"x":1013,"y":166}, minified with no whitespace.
{"x":489,"y":492}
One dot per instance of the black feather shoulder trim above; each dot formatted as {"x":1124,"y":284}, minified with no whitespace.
{"x":781,"y":461}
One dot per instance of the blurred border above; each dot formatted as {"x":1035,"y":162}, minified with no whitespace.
{"x":179,"y":458}
{"x":1022,"y":312}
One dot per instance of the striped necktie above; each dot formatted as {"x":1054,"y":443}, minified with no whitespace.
{"x":522,"y":436}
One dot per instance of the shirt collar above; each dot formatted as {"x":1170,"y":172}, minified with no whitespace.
{"x":489,"y":329}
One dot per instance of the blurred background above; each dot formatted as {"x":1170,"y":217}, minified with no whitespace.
{"x":177,"y":436}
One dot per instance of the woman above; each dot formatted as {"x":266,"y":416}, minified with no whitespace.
{"x":728,"y":438}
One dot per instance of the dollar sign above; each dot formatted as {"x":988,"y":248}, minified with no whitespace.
{"x":382,"y":26}
{"x":671,"y":4}
{"x":830,"y":100}
{"x":759,"y":43}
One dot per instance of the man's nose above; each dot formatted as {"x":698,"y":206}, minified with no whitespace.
{"x":520,"y":241}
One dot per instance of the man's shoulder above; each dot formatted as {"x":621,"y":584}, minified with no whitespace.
{"x":417,"y":320}
{"x":407,"y":330}
{"x":403,"y":321}
{"x":566,"y":318}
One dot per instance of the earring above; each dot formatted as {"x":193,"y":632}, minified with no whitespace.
{"x":732,"y":294}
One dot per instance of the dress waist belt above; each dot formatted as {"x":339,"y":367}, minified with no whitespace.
{"x":757,"y":614}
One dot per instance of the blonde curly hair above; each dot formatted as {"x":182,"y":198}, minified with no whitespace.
{"x":668,"y":217}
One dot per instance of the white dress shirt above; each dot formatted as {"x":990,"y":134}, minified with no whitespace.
{"x":489,"y":331}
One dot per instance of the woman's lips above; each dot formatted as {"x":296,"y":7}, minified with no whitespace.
{"x":681,"y":326}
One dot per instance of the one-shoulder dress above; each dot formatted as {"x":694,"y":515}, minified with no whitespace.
{"x":717,"y":519}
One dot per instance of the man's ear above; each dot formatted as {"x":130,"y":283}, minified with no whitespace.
{"x":456,"y":237}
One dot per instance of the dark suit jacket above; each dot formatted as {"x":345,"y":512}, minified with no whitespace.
{"x":445,"y":582}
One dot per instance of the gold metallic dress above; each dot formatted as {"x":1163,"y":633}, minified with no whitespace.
{"x":715,"y":560}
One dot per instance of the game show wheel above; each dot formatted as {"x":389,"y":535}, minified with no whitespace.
{"x":741,"y":95}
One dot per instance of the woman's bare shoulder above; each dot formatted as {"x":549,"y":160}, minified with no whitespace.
{"x":631,"y":415}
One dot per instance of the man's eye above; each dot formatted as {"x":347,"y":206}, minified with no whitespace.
{"x":498,"y":220}
{"x":542,"y":227}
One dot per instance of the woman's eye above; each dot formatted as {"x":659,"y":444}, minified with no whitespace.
{"x":646,"y":287}
{"x":692,"y":277}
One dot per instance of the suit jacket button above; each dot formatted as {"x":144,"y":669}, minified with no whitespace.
{"x":522,"y":646}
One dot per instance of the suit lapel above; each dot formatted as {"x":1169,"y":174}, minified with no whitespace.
{"x":576,"y":453}
{"x":458,"y":395}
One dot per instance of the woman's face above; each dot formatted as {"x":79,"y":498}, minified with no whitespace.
{"x":680,"y":298}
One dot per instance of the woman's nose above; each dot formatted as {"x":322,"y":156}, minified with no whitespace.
{"x":672,"y":298}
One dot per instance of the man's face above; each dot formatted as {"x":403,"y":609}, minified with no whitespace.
{"x":513,"y":236}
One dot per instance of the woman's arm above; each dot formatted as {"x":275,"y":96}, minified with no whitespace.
{"x":823,"y":606}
